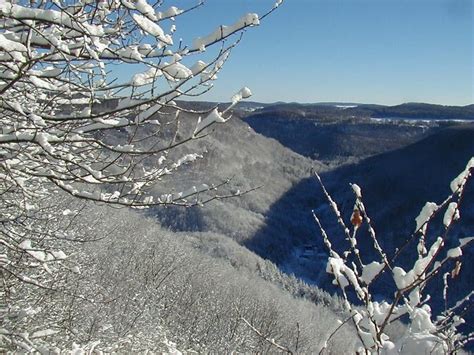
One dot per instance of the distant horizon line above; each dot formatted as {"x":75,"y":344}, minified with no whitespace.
{"x":327,"y":103}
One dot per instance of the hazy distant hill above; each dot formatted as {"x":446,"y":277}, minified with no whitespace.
{"x":417,"y":111}
{"x":342,"y":138}
{"x":343,"y":110}
{"x":324,"y":111}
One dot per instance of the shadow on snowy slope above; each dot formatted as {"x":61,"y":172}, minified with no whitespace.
{"x":395,"y":187}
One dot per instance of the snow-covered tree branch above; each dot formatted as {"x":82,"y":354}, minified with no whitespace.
{"x":60,"y":95}
{"x":88,"y":94}
{"x":355,"y":273}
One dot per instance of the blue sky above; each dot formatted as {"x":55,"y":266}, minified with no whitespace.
{"x":370,"y":51}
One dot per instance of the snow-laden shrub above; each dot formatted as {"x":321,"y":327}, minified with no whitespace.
{"x":356,"y":276}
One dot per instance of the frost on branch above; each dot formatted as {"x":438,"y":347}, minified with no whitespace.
{"x":426,"y":332}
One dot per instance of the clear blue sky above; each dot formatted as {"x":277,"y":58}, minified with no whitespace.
{"x":370,"y":51}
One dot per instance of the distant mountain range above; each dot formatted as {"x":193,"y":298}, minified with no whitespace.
{"x":337,"y":139}
{"x":338,"y":110}
{"x":353,"y":110}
